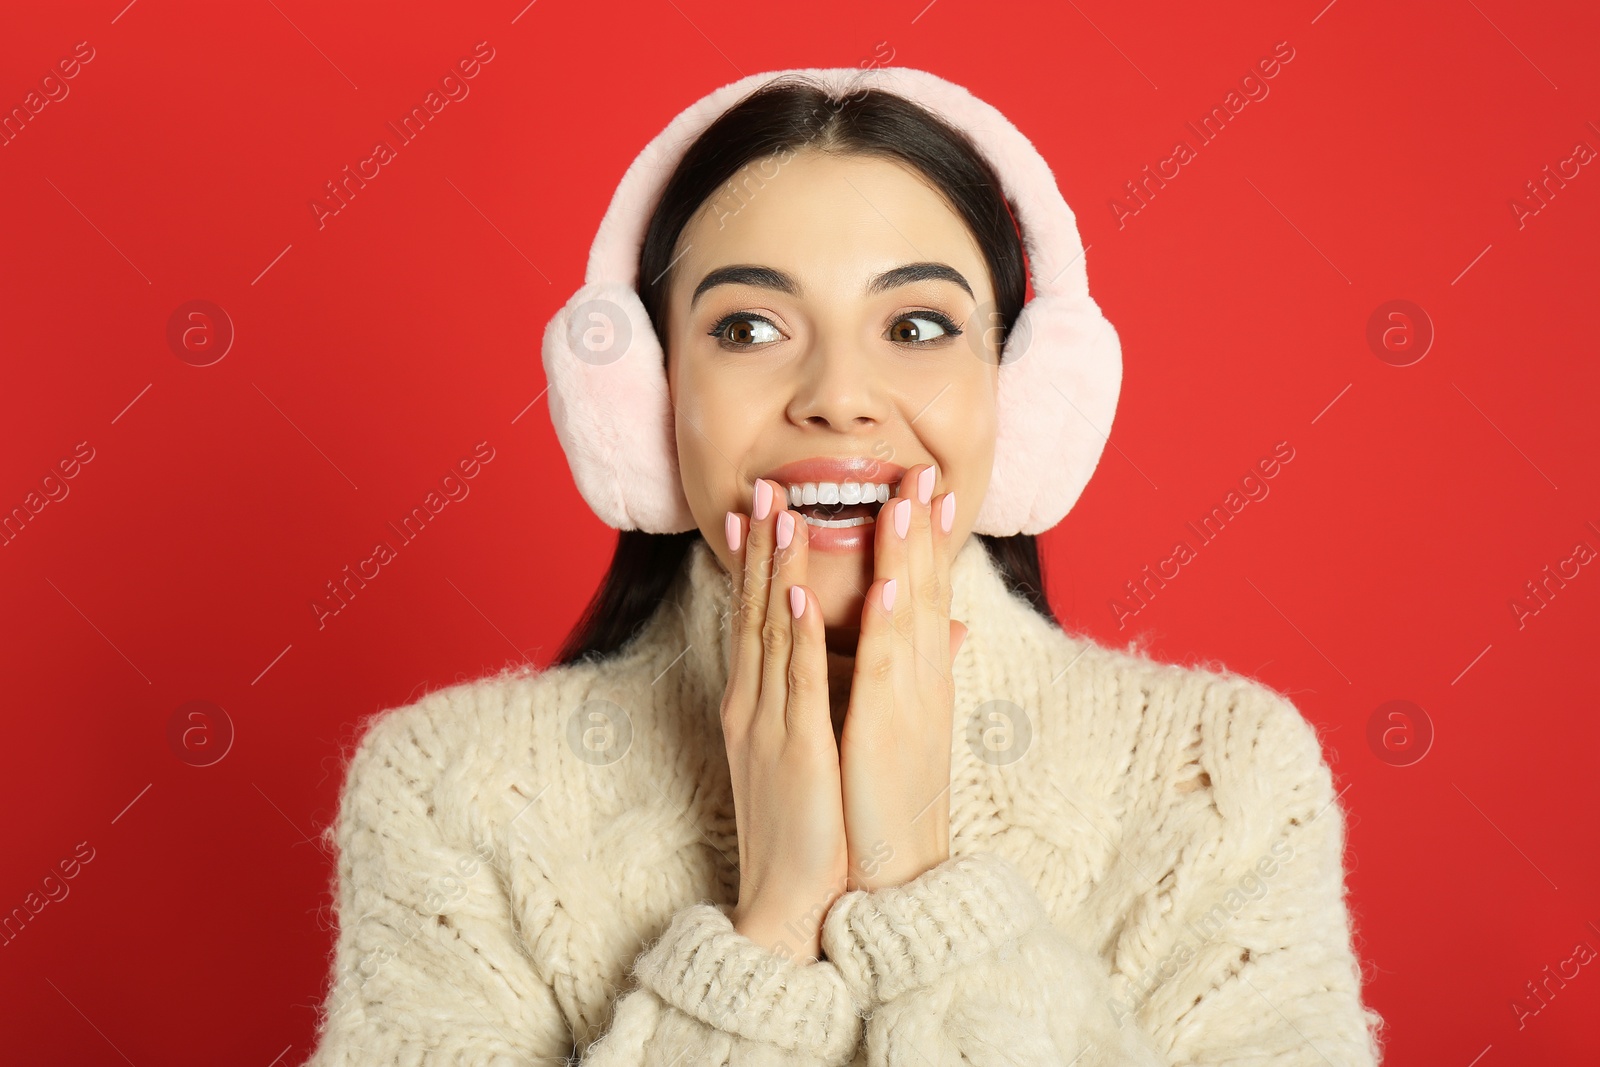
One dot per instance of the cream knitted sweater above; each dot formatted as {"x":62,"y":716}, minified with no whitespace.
{"x":1146,"y":869}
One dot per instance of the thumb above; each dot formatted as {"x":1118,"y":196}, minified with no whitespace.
{"x":958,"y":634}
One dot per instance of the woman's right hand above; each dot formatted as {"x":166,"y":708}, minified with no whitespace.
{"x":783,"y":758}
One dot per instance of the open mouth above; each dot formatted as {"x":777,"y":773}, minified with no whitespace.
{"x":839,"y":516}
{"x":839,"y":511}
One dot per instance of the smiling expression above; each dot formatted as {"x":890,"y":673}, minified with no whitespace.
{"x":839,"y":316}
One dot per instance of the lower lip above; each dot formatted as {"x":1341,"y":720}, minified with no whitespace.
{"x":840,"y":539}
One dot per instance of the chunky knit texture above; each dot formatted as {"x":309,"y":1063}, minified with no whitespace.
{"x":1146,"y":869}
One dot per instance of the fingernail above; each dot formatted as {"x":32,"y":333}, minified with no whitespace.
{"x":730,"y":526}
{"x":902,"y":518}
{"x":925,"y":486}
{"x":785,"y":528}
{"x":797,"y":601}
{"x":947,"y":514}
{"x":888,"y":594}
{"x":763,"y":500}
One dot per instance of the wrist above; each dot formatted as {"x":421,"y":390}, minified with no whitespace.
{"x":797,"y":938}
{"x":887,"y":867}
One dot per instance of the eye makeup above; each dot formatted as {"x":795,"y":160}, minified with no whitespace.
{"x":719,"y":329}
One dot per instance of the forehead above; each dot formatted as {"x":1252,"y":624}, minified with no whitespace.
{"x":832,"y":220}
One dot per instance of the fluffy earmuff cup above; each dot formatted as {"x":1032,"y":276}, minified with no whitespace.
{"x":612,"y":410}
{"x":1060,"y":379}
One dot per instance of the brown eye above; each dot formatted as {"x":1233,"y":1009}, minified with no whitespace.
{"x":914,"y":329}
{"x":743,"y":331}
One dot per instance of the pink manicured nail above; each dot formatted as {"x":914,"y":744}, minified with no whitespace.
{"x":902,"y":518}
{"x":763,"y":500}
{"x":785,"y":528}
{"x":730,"y":526}
{"x":888,"y":594}
{"x":947,"y":514}
{"x":797,"y":601}
{"x":925,"y":486}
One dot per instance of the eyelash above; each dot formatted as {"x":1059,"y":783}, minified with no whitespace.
{"x":951,"y":331}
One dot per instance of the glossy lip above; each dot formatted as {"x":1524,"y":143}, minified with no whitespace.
{"x":850,"y":539}
{"x":838,"y":469}
{"x":822,"y":540}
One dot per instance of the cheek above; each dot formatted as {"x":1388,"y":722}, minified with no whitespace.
{"x":962,"y":437}
{"x":717,"y":429}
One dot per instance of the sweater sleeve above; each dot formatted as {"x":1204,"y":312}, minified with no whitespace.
{"x":963,"y":965}
{"x":706,"y":988}
{"x":430,"y":970}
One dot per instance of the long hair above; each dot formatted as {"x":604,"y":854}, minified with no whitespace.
{"x":782,"y":116}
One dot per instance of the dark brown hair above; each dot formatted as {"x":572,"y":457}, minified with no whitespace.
{"x":781,"y":117}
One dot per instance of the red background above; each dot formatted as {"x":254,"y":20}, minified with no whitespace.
{"x":374,"y":352}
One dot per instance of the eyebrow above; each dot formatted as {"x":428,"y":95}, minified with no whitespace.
{"x":770,"y":278}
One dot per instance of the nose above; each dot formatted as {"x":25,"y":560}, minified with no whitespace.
{"x":838,"y":387}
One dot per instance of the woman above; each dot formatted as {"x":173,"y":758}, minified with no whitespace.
{"x":819,"y":778}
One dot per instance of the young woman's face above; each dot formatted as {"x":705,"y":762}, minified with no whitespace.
{"x":856,"y":332}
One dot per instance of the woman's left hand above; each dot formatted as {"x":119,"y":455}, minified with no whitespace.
{"x":894,"y":749}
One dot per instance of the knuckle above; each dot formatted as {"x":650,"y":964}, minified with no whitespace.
{"x":751,"y":614}
{"x":903,"y":629}
{"x":802,"y":682}
{"x":805,"y":683}
{"x":773,"y":638}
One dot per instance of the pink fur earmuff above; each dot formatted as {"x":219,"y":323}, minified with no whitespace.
{"x":1060,"y":374}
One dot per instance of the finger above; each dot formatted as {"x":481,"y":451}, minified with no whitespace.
{"x":735,"y":530}
{"x":788,"y":569}
{"x":750,"y":600}
{"x":808,"y":713}
{"x":891,"y":559}
{"x":872,"y":680}
{"x":944,"y":513}
{"x":941,"y":513}
{"x":958,"y":636}
{"x":736,"y":534}
{"x":930,"y":625}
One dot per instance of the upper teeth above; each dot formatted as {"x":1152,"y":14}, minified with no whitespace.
{"x":838,"y":493}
